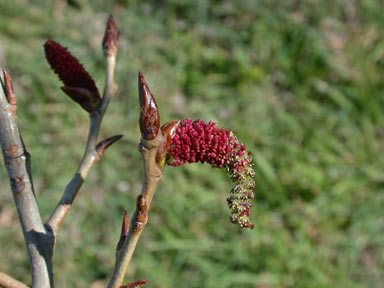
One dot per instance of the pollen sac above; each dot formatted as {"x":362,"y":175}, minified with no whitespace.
{"x":197,"y":141}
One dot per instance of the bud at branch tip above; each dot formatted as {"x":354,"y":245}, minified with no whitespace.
{"x":149,"y":114}
{"x":8,"y":88}
{"x":111,"y":37}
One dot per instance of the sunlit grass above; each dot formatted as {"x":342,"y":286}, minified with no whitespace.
{"x":301,"y":84}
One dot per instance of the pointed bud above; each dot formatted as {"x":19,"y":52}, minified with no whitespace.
{"x":73,"y":75}
{"x":82,"y":96}
{"x":8,"y":88}
{"x":124,"y":231}
{"x":111,"y":37}
{"x":142,"y":213}
{"x":168,"y":130}
{"x":149,"y":114}
{"x":103,"y":145}
{"x":137,"y":284}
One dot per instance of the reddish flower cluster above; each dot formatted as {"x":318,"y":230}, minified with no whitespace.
{"x":67,"y":67}
{"x":79,"y":85}
{"x":196,"y":141}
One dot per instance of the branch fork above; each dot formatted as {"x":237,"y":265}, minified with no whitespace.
{"x":78,"y":85}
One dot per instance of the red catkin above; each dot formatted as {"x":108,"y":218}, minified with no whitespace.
{"x":70,"y":71}
{"x":197,"y":141}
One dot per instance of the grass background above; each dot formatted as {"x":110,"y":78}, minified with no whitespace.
{"x":300,"y":82}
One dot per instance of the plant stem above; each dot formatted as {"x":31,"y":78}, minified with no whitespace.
{"x":7,"y":281}
{"x":152,"y":177}
{"x":17,"y":162}
{"x":90,"y":157}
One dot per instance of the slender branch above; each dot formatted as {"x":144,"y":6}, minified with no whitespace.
{"x":152,"y":177}
{"x":17,"y":163}
{"x":91,"y":155}
{"x":153,"y":146}
{"x":7,"y":281}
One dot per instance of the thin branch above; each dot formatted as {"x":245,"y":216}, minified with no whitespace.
{"x":153,"y":146}
{"x":17,"y":163}
{"x":7,"y":281}
{"x":91,"y":155}
{"x":152,"y":177}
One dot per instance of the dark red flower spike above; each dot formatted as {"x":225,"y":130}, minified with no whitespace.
{"x":79,"y":85}
{"x":197,"y":141}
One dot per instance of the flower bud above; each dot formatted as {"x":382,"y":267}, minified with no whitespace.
{"x":149,"y":115}
{"x":8,"y":88}
{"x":79,"y":85}
{"x":124,"y":231}
{"x":103,"y":145}
{"x":111,"y":37}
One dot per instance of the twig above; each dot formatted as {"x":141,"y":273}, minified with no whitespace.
{"x":152,"y":177}
{"x":91,"y":155}
{"x":7,"y":281}
{"x":153,"y":147}
{"x":17,"y":163}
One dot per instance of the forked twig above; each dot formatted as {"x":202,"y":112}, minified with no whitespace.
{"x":40,"y":239}
{"x":91,"y":155}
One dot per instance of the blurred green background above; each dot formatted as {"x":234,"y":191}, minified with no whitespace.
{"x":300,"y":82}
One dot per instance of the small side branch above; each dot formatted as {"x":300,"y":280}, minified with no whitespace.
{"x":90,"y":158}
{"x":91,"y":155}
{"x":17,"y":162}
{"x":7,"y":281}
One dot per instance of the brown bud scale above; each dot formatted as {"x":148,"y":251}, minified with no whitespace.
{"x":103,"y":145}
{"x":168,"y":130}
{"x":18,"y":185}
{"x":124,"y":231}
{"x":149,"y":114}
{"x":8,"y":89}
{"x":111,"y":37}
{"x":142,"y":213}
